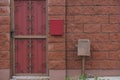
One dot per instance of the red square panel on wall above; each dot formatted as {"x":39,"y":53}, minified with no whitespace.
{"x":56,"y":27}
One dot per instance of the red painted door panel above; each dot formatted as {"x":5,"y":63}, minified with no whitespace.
{"x":39,"y":20}
{"x":39,"y":61}
{"x":21,"y":56}
{"x":21,"y":13}
{"x":22,"y":21}
{"x":30,"y":20}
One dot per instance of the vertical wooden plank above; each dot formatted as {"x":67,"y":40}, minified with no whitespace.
{"x":21,"y":28}
{"x":39,"y":28}
{"x":21,"y":19}
{"x":39,"y":56}
{"x":44,"y":66}
{"x":44,"y":17}
{"x":21,"y":56}
{"x":17,"y":68}
{"x":39,"y":18}
{"x":39,"y":45}
{"x":43,"y":40}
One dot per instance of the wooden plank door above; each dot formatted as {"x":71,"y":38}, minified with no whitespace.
{"x":30,"y":36}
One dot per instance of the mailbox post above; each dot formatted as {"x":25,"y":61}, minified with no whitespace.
{"x":83,"y":51}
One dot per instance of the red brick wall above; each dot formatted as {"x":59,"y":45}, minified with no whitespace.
{"x":56,"y":45}
{"x":4,"y":34}
{"x":97,"y":20}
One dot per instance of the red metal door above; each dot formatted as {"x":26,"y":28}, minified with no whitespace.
{"x":30,"y":36}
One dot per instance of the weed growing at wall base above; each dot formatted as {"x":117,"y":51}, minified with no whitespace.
{"x":84,"y":77}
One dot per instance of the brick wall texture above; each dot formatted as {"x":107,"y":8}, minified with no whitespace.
{"x":4,"y":34}
{"x":97,"y":20}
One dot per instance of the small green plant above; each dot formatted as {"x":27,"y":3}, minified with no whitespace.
{"x":96,"y":78}
{"x":68,"y":78}
{"x":82,"y":77}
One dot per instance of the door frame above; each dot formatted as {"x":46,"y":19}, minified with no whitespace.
{"x":12,"y":53}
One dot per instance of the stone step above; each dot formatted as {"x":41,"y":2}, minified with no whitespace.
{"x":30,"y":78}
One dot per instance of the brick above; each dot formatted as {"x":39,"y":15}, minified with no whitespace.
{"x":94,"y":2}
{"x":57,"y":65}
{"x":56,"y":47}
{"x":93,"y":10}
{"x":56,"y":10}
{"x":71,"y":45}
{"x":99,"y":55}
{"x":110,"y":10}
{"x":114,"y":55}
{"x":4,"y":2}
{"x":110,"y":28}
{"x":98,"y":37}
{"x":115,"y":19}
{"x":85,"y":10}
{"x":93,"y":64}
{"x":72,"y":55}
{"x":73,"y":28}
{"x":108,"y":46}
{"x":59,"y":17}
{"x":5,"y":20}
{"x":95,"y":46}
{"x":92,"y":36}
{"x":115,"y":36}
{"x":56,"y":56}
{"x":75,"y":37}
{"x":92,"y":28}
{"x":56,"y":2}
{"x":56,"y":39}
{"x":88,"y":57}
{"x":4,"y":28}
{"x":80,"y":2}
{"x":71,"y":10}
{"x":4,"y":37}
{"x":4,"y":55}
{"x":4,"y":10}
{"x":106,"y":2}
{"x":71,"y":19}
{"x":91,"y":19}
{"x":4,"y":64}
{"x":88,"y":64}
{"x":110,"y":64}
{"x":73,"y":64}
{"x":103,"y":64}
{"x":4,"y":46}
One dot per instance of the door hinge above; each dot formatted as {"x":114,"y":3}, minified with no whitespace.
{"x":12,"y":34}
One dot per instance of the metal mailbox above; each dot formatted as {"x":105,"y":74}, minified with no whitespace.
{"x":56,"y":27}
{"x":83,"y":47}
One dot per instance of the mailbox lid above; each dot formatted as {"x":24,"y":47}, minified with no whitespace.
{"x":83,"y":47}
{"x":56,"y":27}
